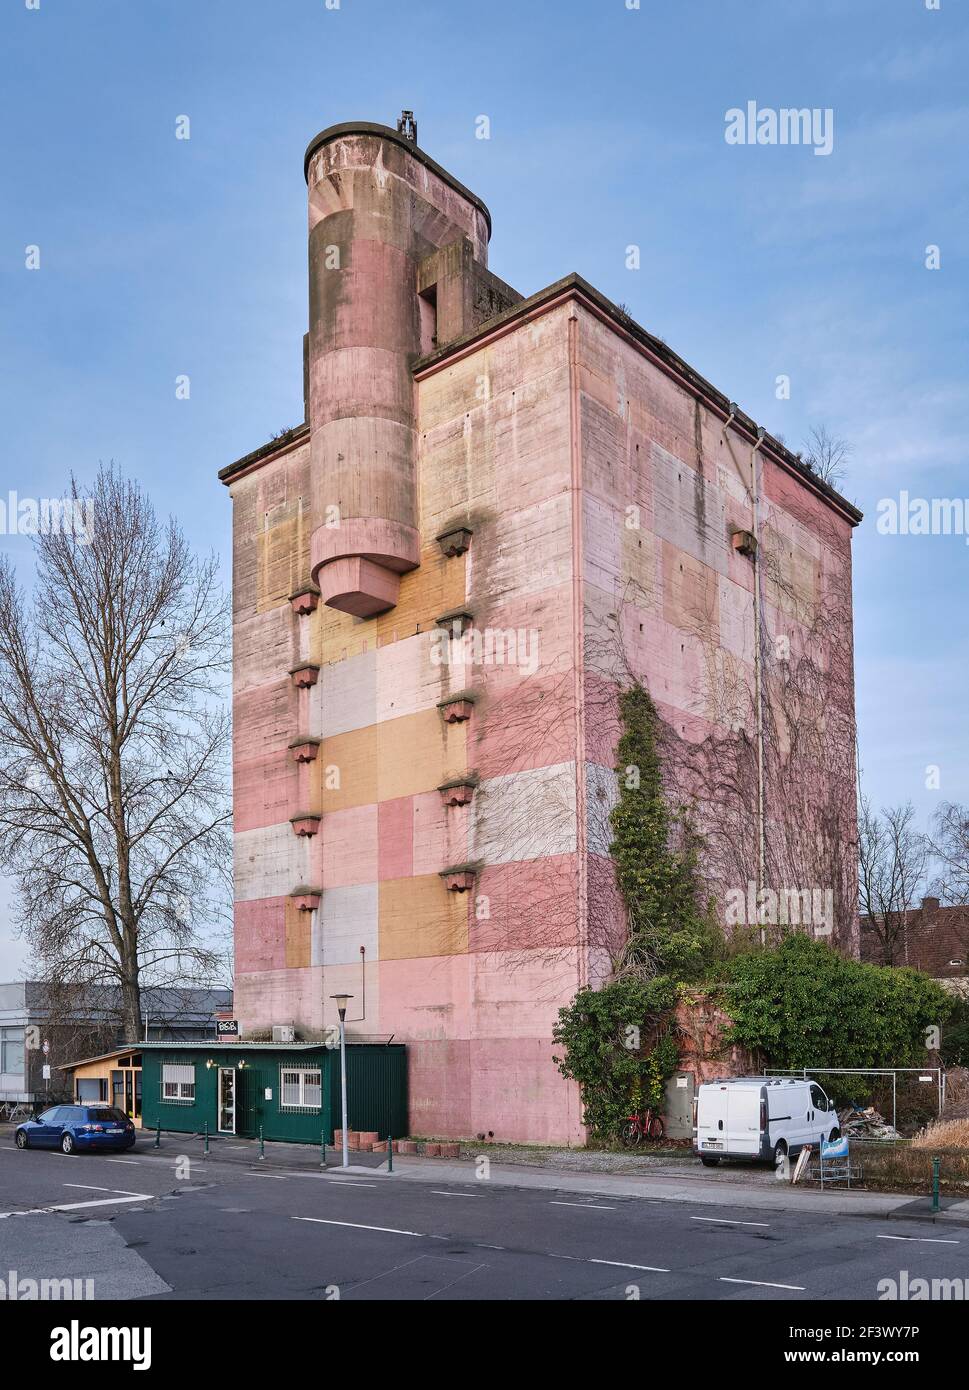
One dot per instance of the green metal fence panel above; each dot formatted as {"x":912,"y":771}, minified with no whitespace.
{"x":376,"y":1089}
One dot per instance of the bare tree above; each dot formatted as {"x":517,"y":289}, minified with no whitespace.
{"x":826,"y":455}
{"x":892,"y":860}
{"x":950,"y":846}
{"x":113,"y":747}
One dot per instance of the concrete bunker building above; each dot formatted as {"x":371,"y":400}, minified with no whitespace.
{"x":425,"y":572}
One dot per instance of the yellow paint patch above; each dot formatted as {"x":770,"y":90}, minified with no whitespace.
{"x":399,"y":757}
{"x":690,"y":594}
{"x":298,"y":927}
{"x":419,"y":917}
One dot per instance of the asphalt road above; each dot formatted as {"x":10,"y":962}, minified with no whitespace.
{"x":157,"y":1225}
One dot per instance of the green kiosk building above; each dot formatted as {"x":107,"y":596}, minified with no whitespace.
{"x":288,"y":1092}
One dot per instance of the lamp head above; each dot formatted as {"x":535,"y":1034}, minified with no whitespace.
{"x":341,"y":1004}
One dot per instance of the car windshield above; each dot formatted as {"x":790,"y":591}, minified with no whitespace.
{"x":107,"y":1112}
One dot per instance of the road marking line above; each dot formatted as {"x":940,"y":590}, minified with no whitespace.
{"x":388,"y":1230}
{"x":76,"y":1206}
{"x":122,"y":1160}
{"x":435,"y":1191}
{"x":762,"y":1284}
{"x":928,"y":1240}
{"x":339,"y":1182}
{"x":622,"y":1264}
{"x":583,"y":1206}
{"x":728,"y":1221}
{"x":89,"y":1187}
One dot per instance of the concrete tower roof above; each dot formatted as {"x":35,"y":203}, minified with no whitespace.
{"x":386,"y":132}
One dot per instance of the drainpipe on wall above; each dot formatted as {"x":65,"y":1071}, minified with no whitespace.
{"x":754,"y":491}
{"x":755,"y":478}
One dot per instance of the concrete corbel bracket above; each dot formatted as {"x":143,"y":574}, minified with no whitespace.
{"x":458,"y":791}
{"x":305,"y":600}
{"x":455,"y":542}
{"x":456,"y":620}
{"x":459,"y":878}
{"x":305,"y":823}
{"x":306,"y":899}
{"x":457,"y":708}
{"x":305,"y":748}
{"x":743,"y":542}
{"x":305,"y":675}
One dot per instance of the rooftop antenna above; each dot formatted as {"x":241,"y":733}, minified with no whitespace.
{"x":407,"y":126}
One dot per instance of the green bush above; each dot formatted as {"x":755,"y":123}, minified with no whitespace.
{"x":954,"y":1048}
{"x":801,"y":1004}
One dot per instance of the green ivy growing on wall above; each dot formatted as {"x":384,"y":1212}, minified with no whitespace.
{"x":799,"y":1003}
{"x":619,"y":1041}
{"x":619,"y":1048}
{"x":655,"y":852}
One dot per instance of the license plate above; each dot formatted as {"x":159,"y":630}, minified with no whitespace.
{"x":712,"y":1144}
{"x":113,"y":1129}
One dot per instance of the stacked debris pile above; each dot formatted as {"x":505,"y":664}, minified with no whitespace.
{"x":865,"y":1124}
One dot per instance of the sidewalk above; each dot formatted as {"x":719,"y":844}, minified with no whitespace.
{"x":761,"y":1191}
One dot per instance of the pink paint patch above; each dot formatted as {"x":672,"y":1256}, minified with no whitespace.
{"x":395,"y":834}
{"x":260,"y":935}
{"x":349,"y":841}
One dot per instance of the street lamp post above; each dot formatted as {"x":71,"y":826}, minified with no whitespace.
{"x":341,"y":1004}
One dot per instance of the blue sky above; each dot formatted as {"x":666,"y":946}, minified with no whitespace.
{"x":161,"y":257}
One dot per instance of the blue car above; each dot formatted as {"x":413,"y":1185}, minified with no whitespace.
{"x":77,"y":1129}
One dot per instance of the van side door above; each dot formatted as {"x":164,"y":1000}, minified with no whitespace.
{"x":825,"y":1119}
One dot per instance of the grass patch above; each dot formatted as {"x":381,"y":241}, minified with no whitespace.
{"x":905,"y":1167}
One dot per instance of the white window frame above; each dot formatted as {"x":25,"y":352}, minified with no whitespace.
{"x":302,"y":1073}
{"x":13,"y":1039}
{"x":184,"y":1087}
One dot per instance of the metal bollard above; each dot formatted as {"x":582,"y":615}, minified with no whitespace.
{"x":157,"y":1143}
{"x":936,"y":1163}
{"x":262,"y":1146}
{"x":205,"y":1151}
{"x":323,"y":1148}
{"x":390,"y":1154}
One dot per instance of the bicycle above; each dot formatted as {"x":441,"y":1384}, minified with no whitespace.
{"x":647,"y":1125}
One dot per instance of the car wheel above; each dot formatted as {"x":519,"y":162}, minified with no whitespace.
{"x":834,"y":1135}
{"x":709,"y":1160}
{"x":780,"y":1152}
{"x":22,"y":1140}
{"x":67,"y":1144}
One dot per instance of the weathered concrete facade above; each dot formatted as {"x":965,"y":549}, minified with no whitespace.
{"x":497,"y":511}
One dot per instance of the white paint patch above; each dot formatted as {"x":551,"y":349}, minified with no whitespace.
{"x":525,"y":815}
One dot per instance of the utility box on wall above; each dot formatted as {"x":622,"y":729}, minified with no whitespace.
{"x":678,"y":1110}
{"x":289,"y":1092}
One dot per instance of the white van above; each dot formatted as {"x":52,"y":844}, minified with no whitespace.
{"x":760,"y":1117}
